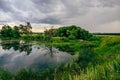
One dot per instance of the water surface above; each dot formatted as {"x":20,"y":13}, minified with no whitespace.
{"x":15,"y":55}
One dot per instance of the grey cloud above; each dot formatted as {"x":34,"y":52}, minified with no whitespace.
{"x":56,"y":11}
{"x":66,"y":9}
{"x":109,"y":3}
{"x":45,"y":6}
{"x":51,"y":20}
{"x":63,"y":12}
{"x":47,"y":20}
{"x":8,"y":8}
{"x":5,"y":6}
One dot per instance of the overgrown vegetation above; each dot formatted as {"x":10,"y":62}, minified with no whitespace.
{"x":96,"y":57}
{"x":95,"y":60}
{"x":72,"y":32}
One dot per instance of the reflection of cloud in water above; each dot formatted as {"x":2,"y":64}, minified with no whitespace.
{"x":37,"y":59}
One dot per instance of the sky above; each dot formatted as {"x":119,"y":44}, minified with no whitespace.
{"x":92,"y":15}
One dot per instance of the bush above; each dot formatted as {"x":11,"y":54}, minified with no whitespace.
{"x":5,"y":75}
{"x":86,"y":57}
{"x":37,"y":37}
{"x":72,"y":32}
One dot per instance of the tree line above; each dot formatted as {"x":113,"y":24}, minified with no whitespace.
{"x":16,"y":31}
{"x":71,"y":32}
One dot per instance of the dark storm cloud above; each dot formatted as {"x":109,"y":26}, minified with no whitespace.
{"x":63,"y":12}
{"x":53,"y":10}
{"x":66,"y":9}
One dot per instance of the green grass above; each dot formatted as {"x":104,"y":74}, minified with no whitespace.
{"x":98,"y":59}
{"x":106,"y":71}
{"x":106,"y":59}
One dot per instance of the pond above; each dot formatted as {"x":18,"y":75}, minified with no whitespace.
{"x":16,"y":55}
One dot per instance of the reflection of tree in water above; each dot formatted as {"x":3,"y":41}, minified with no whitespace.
{"x":9,"y":45}
{"x":25,"y":48}
{"x":50,"y":50}
{"x":48,"y":34}
{"x":22,"y":47}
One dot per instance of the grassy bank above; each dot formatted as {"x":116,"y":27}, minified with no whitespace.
{"x":97,"y":59}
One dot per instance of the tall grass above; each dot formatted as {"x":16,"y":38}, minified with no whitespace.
{"x":106,"y":71}
{"x":107,"y":68}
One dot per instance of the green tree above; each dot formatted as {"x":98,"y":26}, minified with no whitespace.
{"x":73,"y":32}
{"x":29,"y":27}
{"x":26,"y":29}
{"x":6,"y":31}
{"x":16,"y":33}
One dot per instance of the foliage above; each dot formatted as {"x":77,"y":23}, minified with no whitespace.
{"x":9,"y":32}
{"x":6,"y":75}
{"x":66,"y":33}
{"x":87,"y":57}
{"x":26,"y":29}
{"x":15,"y":32}
{"x":107,"y":71}
{"x":6,"y":31}
{"x":60,"y":39}
{"x":73,"y":32}
{"x":26,"y":75}
{"x":32,"y":37}
{"x":96,"y":66}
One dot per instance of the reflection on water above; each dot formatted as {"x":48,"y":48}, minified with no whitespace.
{"x":16,"y":55}
{"x":21,"y":47}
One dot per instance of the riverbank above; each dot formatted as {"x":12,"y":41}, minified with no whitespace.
{"x":96,"y":59}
